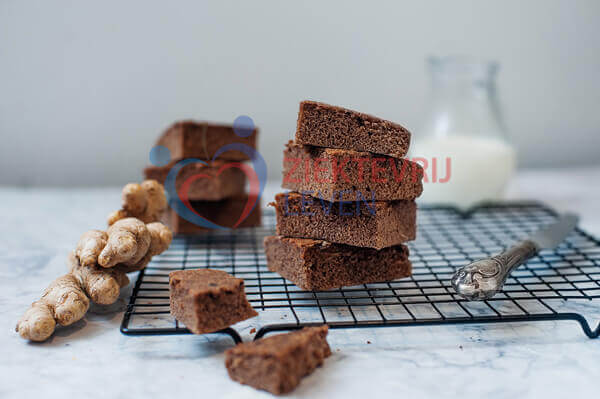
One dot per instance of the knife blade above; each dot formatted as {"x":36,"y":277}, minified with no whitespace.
{"x":553,"y":234}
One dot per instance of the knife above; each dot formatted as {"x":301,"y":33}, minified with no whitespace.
{"x":482,"y":279}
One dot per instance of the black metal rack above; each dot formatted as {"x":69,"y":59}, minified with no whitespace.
{"x":542,"y":289}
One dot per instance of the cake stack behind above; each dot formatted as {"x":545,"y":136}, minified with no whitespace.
{"x":351,"y":205}
{"x":215,"y":186}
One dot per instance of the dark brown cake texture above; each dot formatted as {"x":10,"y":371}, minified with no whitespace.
{"x":278,"y":363}
{"x":335,"y":127}
{"x":224,"y":213}
{"x":335,"y":174}
{"x":192,"y":139}
{"x":317,"y":265}
{"x":207,"y":300}
{"x":373,"y":224}
{"x":214,"y":181}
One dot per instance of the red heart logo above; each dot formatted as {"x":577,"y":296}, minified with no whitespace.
{"x":254,"y":187}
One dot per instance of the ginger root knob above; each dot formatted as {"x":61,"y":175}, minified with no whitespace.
{"x":63,"y":302}
{"x":145,"y":201}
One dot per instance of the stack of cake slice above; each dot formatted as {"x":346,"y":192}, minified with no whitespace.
{"x":351,"y":205}
{"x":215,"y":188}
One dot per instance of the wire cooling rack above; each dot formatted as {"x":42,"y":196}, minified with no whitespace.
{"x":548,"y":287}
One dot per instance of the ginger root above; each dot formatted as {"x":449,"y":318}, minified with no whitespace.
{"x":67,"y":299}
{"x":99,"y":264}
{"x":160,"y":239}
{"x":144,"y":201}
{"x":90,"y":245}
{"x":128,"y":243}
{"x":101,"y":285}
{"x":63,"y":302}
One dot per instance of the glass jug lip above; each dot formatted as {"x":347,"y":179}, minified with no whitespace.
{"x":462,"y":66}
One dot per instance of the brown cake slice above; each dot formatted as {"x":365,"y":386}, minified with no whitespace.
{"x":207,"y":300}
{"x":212,"y":182}
{"x":320,"y":265}
{"x":377,"y":224}
{"x":191,"y":139}
{"x":278,"y":363}
{"x":224,"y":213}
{"x":335,"y":127}
{"x":336,"y":174}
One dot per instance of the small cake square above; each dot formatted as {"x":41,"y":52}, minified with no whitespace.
{"x":326,"y":125}
{"x":335,"y":174}
{"x":320,"y":265}
{"x":192,"y":139}
{"x":213,"y":181}
{"x":278,"y":363}
{"x":207,"y":300}
{"x":373,"y":224}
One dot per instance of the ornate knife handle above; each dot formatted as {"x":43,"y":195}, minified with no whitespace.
{"x":482,"y":279}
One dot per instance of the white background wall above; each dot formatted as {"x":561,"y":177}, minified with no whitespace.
{"x":86,"y":87}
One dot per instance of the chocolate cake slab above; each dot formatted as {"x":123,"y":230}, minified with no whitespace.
{"x":278,"y":363}
{"x":326,"y":125}
{"x":224,"y":213}
{"x":207,"y":300}
{"x":372,"y":224}
{"x":317,"y":265}
{"x":336,"y":174}
{"x":213,"y":181}
{"x":194,"y":139}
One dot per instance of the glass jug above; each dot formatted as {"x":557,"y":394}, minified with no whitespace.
{"x":463,"y":144}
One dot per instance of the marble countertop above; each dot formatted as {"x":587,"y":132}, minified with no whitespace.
{"x":93,"y":359}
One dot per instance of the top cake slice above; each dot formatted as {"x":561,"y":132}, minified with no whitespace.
{"x":335,"y":127}
{"x":191,"y":139}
